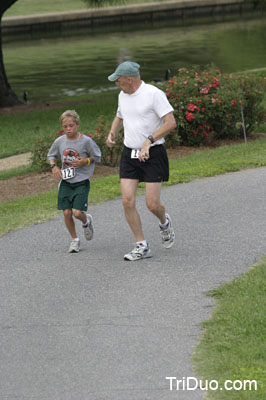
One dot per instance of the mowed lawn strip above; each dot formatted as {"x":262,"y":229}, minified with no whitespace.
{"x":232,"y":347}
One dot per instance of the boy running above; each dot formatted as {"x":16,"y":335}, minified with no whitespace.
{"x":78,"y":154}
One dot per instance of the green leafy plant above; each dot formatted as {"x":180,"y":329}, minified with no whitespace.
{"x":210,"y":106}
{"x":39,"y":153}
{"x":110,"y":156}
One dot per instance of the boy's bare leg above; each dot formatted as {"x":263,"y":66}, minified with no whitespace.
{"x":70,"y":224}
{"x":80,"y":215}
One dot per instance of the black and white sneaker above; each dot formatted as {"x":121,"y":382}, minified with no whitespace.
{"x":167,"y":234}
{"x":138,"y":253}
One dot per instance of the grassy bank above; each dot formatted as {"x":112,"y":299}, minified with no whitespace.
{"x":29,"y":7}
{"x":34,"y":125}
{"x":233,"y":344}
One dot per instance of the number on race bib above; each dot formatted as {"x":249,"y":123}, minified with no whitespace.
{"x":135,"y":153}
{"x":68,"y":173}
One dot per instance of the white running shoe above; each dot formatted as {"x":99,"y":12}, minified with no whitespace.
{"x":74,"y":246}
{"x":88,"y":230}
{"x":138,"y":252}
{"x":167,"y":234}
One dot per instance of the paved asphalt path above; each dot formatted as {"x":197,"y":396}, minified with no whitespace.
{"x":91,"y":326}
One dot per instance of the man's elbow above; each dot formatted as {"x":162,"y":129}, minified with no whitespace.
{"x":173,"y":124}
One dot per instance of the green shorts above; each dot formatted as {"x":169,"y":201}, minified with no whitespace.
{"x":73,"y":195}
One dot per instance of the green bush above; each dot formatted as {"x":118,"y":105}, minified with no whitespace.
{"x":39,"y":153}
{"x":210,"y":106}
{"x":110,"y":156}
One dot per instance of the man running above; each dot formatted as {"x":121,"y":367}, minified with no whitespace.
{"x":147,"y":117}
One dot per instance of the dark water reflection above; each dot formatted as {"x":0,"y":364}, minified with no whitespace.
{"x":51,"y":68}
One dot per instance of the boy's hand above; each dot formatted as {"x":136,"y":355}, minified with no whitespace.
{"x":56,"y":171}
{"x":80,"y":162}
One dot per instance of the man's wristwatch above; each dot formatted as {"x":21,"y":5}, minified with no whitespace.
{"x":52,"y":166}
{"x":151,"y":139}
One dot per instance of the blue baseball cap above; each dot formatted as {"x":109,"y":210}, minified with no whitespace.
{"x":127,"y":68}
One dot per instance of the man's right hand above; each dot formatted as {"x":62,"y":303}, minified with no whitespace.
{"x":110,"y":141}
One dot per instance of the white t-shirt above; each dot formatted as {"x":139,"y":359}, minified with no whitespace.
{"x":142,"y":113}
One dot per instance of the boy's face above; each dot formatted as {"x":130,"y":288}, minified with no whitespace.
{"x":70,"y":127}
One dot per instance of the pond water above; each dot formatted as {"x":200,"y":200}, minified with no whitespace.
{"x":51,"y":68}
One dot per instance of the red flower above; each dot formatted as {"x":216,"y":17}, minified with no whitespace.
{"x":215,"y":82}
{"x":191,"y":107}
{"x":189,"y":116}
{"x":226,"y":115}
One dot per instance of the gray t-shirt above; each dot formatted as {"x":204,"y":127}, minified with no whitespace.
{"x":69,"y":150}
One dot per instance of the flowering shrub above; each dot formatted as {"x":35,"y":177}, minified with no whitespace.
{"x":110,"y":156}
{"x":39,"y":153}
{"x":209,"y":106}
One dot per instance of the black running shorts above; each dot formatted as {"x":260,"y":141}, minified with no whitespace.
{"x":155,"y":169}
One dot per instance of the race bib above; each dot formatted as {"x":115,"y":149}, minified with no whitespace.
{"x":68,"y":173}
{"x":135,"y":153}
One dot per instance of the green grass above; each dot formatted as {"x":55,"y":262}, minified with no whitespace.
{"x":233,"y":343}
{"x":28,"y":7}
{"x":18,"y":171}
{"x":25,"y":128}
{"x":218,"y":161}
{"x":27,"y":211}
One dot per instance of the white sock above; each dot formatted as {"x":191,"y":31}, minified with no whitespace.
{"x":165,"y":225}
{"x":76,"y":239}
{"x":142,"y":243}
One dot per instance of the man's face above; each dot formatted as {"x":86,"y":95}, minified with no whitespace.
{"x":124,"y":82}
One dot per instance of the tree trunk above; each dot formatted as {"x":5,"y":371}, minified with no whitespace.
{"x":7,"y":97}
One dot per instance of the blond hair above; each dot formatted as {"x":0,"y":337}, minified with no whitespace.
{"x":70,"y":114}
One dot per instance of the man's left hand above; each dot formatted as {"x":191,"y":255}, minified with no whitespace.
{"x":144,"y":153}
